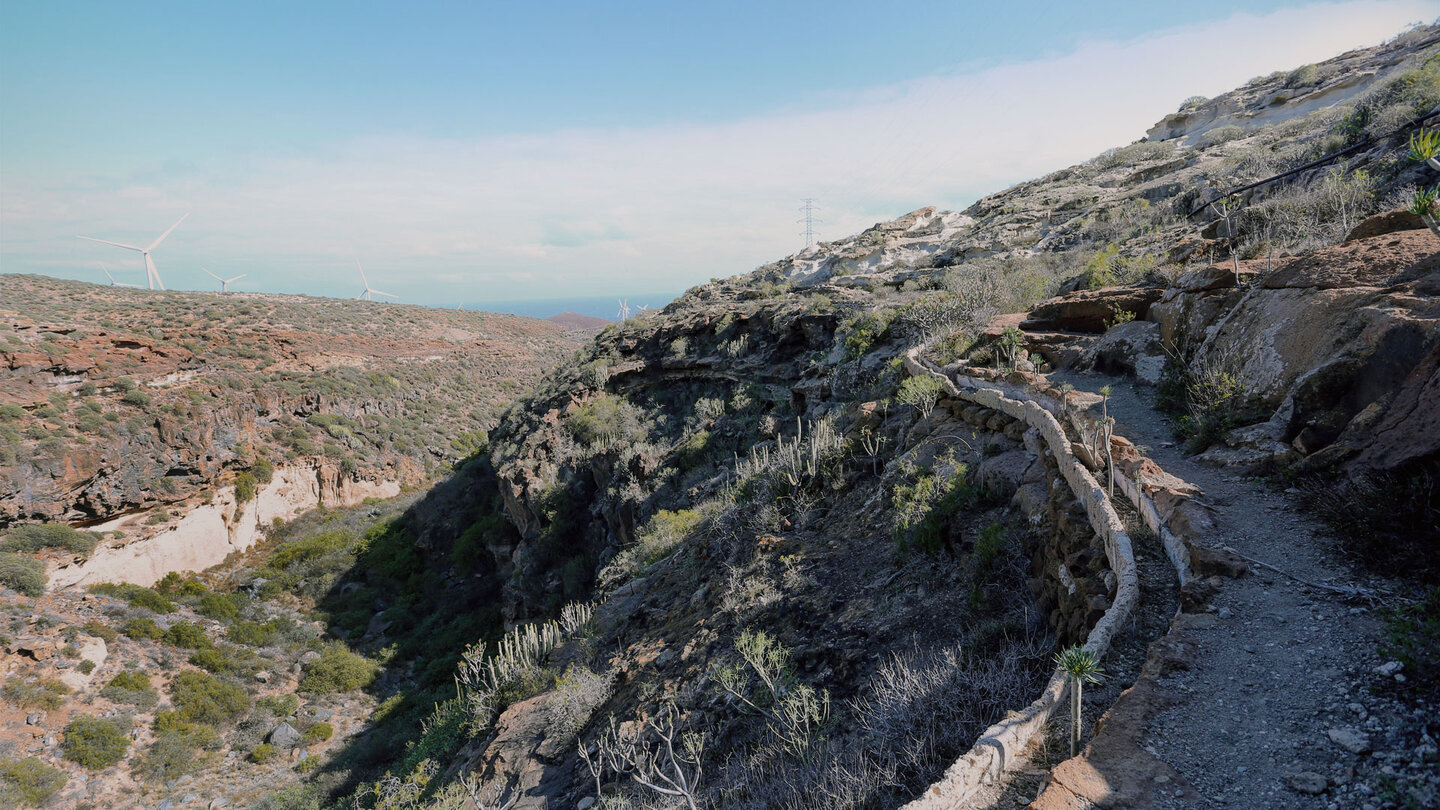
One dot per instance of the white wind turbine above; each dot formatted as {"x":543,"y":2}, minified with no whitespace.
{"x":113,"y":282}
{"x":152,"y":276}
{"x":365,"y":295}
{"x":224,"y":282}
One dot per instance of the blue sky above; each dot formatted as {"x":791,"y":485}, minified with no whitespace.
{"x":469,"y":151}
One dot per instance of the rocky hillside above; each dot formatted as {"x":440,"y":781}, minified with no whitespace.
{"x":732,"y":464}
{"x":114,"y":401}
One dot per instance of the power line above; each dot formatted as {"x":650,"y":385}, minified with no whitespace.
{"x":809,"y":209}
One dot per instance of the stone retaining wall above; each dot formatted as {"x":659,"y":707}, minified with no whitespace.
{"x":1162,"y":502}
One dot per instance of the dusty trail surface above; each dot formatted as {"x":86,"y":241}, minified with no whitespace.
{"x":1278,"y":703}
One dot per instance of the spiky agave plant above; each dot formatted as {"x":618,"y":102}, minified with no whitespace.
{"x":1081,"y":666}
{"x":1424,"y":205}
{"x":1425,"y":145}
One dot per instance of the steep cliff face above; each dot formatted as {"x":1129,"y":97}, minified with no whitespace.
{"x":114,"y":401}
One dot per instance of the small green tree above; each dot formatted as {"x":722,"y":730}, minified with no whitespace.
{"x":1008,"y":346}
{"x":921,"y":393}
{"x":1081,"y":666}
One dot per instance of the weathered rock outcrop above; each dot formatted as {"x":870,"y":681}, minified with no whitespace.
{"x":1091,"y":310}
{"x":1340,"y":344}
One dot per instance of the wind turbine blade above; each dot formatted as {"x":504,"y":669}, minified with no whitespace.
{"x":392,"y":295}
{"x":107,"y":274}
{"x":210,"y":274}
{"x":237,"y":278}
{"x":116,"y":244}
{"x":152,"y":272}
{"x":157,"y":242}
{"x":362,"y":274}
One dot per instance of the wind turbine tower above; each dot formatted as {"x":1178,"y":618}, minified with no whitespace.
{"x":224,"y":282}
{"x":365,"y":295}
{"x":152,"y":276}
{"x":113,"y":282}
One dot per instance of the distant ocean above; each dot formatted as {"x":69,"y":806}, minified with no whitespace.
{"x":598,"y":306}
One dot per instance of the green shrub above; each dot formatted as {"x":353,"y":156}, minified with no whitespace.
{"x":226,"y":660}
{"x":923,"y":510}
{"x":48,"y":535}
{"x":131,"y":679}
{"x":337,"y":670}
{"x":42,"y":693}
{"x":142,"y":628}
{"x":280,"y":705}
{"x":220,"y":606}
{"x":244,"y":487}
{"x":387,"y":550}
{"x":470,"y":547}
{"x":22,"y":574}
{"x":94,"y":743}
{"x":262,"y":753}
{"x":136,"y":595}
{"x":309,"y":548}
{"x":131,"y":687}
{"x":86,"y":667}
{"x":658,"y":538}
{"x":263,"y":471}
{"x":29,"y":781}
{"x":604,"y":420}
{"x":318,"y":733}
{"x":177,"y":749}
{"x":189,"y":635}
{"x":172,"y":584}
{"x":200,"y":698}
{"x":10,"y":412}
{"x":1219,"y":135}
{"x":252,"y":634}
{"x":136,"y":397}
{"x":100,"y":630}
{"x":865,"y":330}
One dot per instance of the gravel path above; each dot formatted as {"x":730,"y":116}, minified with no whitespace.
{"x":1282,"y":705}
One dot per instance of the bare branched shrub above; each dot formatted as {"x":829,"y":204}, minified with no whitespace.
{"x":577,"y":694}
{"x":648,"y":754}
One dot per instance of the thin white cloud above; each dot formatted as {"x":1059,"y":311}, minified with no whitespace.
{"x":583,"y":212}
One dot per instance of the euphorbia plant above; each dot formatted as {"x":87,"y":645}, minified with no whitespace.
{"x":1424,"y":206}
{"x":1425,"y":145}
{"x":1081,"y":666}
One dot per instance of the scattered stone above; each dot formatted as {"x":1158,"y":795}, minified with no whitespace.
{"x":1389,"y":669}
{"x":1350,"y":739}
{"x":1307,"y":782}
{"x":262,"y":676}
{"x":585,"y":803}
{"x":309,"y":656}
{"x":217,"y":804}
{"x":32,"y":719}
{"x":283,"y":736}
